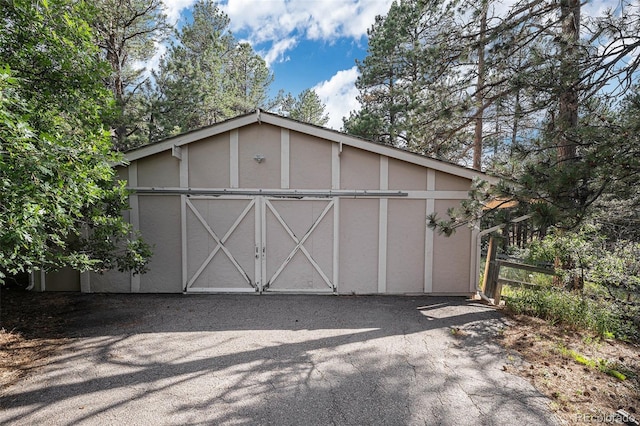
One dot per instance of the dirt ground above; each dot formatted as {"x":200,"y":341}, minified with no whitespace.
{"x":32,"y":328}
{"x":581,"y":392}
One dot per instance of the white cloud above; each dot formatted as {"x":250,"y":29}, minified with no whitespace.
{"x":173,"y":8}
{"x":153,"y":63}
{"x":278,"y":50}
{"x":599,"y":8}
{"x":339,"y":95}
{"x":323,"y":20}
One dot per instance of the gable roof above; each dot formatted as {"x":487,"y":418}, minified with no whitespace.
{"x":307,"y":129}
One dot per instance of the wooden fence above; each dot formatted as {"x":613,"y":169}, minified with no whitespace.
{"x":492,"y":281}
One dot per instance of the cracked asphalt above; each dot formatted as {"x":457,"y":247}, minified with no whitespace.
{"x":277,"y":360}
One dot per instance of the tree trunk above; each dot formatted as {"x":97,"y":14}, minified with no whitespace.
{"x":477,"y":137}
{"x":570,"y":76}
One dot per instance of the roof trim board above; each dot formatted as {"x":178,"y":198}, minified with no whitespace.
{"x":308,"y":129}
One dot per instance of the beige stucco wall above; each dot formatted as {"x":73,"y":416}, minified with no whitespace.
{"x":405,"y":246}
{"x":259,"y":139}
{"x":449,"y":182}
{"x":309,"y":162}
{"x":159,"y":170}
{"x":160,"y":227}
{"x":406,"y":176}
{"x":451,"y":257}
{"x":209,"y":162}
{"x":66,"y":279}
{"x":358,"y":246}
{"x":122,"y":173}
{"x":110,"y":282}
{"x":359,"y":169}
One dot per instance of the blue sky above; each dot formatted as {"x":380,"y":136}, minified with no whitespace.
{"x":306,"y":43}
{"x":311,"y":62}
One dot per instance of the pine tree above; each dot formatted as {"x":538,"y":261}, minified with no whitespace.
{"x":308,"y":108}
{"x":570,"y":82}
{"x":206,"y":76}
{"x":248,"y":79}
{"x":127,"y":31}
{"x":419,"y":86}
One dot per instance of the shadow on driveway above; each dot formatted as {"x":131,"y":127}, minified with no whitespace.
{"x":276,"y":359}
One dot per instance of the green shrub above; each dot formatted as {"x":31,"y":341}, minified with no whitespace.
{"x":604,"y":275}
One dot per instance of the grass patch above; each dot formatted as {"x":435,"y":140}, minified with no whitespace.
{"x":573,"y":309}
{"x":601,"y":364}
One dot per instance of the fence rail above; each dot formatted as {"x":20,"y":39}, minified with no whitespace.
{"x":492,"y":281}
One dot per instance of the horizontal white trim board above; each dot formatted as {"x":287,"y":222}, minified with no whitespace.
{"x":297,"y":193}
{"x":221,"y":290}
{"x":438,"y":195}
{"x":298,"y":290}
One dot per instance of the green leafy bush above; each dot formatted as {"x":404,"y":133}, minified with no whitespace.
{"x":60,"y":200}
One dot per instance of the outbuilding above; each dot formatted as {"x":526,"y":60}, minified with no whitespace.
{"x":261,"y":203}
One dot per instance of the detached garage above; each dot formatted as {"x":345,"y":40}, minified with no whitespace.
{"x":262,"y":203}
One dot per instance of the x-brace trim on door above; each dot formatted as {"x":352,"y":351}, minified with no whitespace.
{"x":220,"y":243}
{"x":300,"y":244}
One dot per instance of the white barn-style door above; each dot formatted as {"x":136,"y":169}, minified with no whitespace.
{"x":300,"y":242}
{"x":258,"y":244}
{"x":218,"y":240}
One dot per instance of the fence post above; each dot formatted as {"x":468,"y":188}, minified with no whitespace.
{"x":490,"y":279}
{"x":497,"y":288}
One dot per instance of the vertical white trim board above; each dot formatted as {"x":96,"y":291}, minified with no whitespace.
{"x":474,"y":266}
{"x":263,"y":242}
{"x":382,"y":246}
{"x":429,"y":234}
{"x":284,"y":158}
{"x":384,"y":173}
{"x":335,"y":166}
{"x":234,"y":177}
{"x":382,"y":226}
{"x":336,"y":243}
{"x":431,"y":180}
{"x":428,"y":249}
{"x":134,"y":217}
{"x":185,"y":253}
{"x":184,"y":183}
{"x":184,"y":167}
{"x":258,"y":240}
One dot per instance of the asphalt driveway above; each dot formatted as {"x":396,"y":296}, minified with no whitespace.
{"x":280,"y":360}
